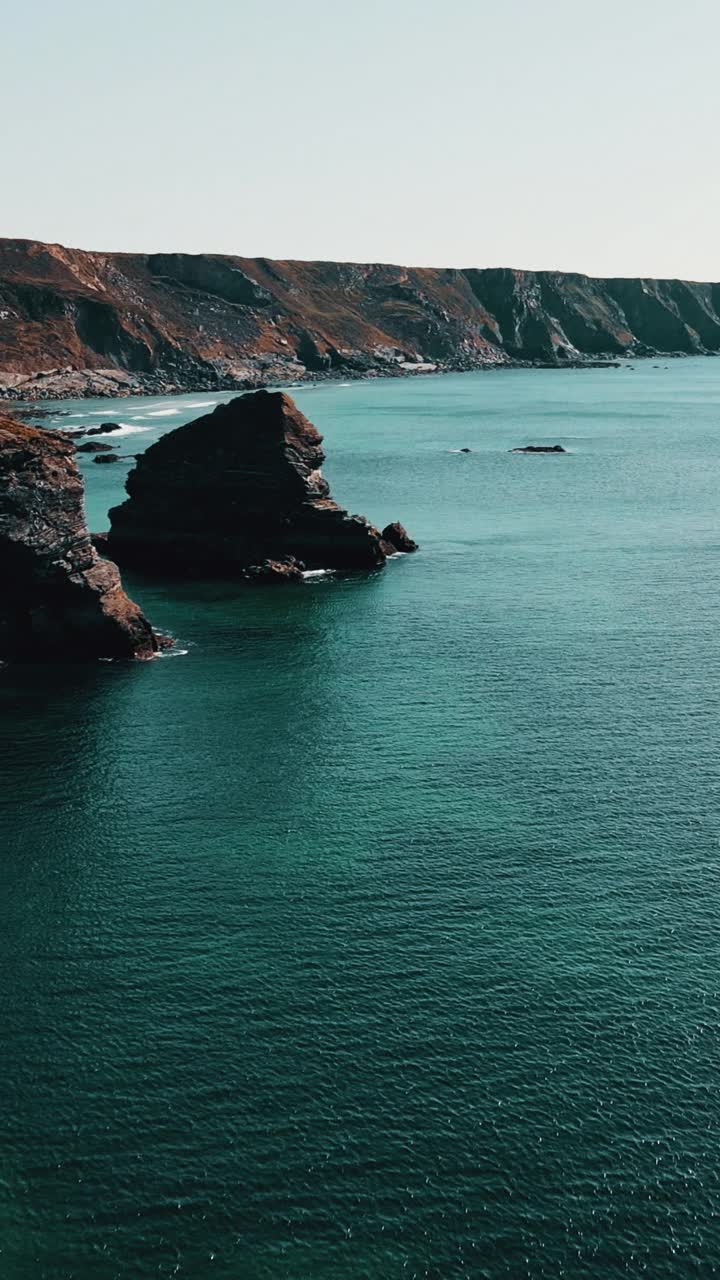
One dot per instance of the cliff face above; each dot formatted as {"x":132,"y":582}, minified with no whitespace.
{"x":105,"y":323}
{"x":239,"y":493}
{"x":58,"y":598}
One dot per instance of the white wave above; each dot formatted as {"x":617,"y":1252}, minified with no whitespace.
{"x":126,"y":429}
{"x":199,"y":404}
{"x":104,"y":413}
{"x":161,"y":413}
{"x":317,"y":573}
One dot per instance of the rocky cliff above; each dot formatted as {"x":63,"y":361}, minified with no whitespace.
{"x":239,"y":493}
{"x":76,"y":323}
{"x":58,"y":598}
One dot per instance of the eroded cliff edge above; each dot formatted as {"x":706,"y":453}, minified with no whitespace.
{"x":59,"y":600}
{"x":80,"y":323}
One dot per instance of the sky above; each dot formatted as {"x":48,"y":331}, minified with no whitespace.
{"x":529,"y":133}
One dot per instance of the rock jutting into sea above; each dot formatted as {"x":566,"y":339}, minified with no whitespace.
{"x":59,"y":600}
{"x":239,"y":493}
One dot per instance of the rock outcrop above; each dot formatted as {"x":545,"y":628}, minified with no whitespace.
{"x":397,"y":538}
{"x":108,"y":324}
{"x":58,"y":599}
{"x":239,"y":493}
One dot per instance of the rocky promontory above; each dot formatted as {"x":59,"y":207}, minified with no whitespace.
{"x":239,"y":492}
{"x":59,"y":600}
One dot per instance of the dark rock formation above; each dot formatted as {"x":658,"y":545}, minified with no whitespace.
{"x":103,"y":430}
{"x":398,"y":538}
{"x":108,"y":324}
{"x":107,"y":457}
{"x":93,"y":446}
{"x":539,"y":448}
{"x":239,"y":492}
{"x":58,"y":599}
{"x":289,"y":570}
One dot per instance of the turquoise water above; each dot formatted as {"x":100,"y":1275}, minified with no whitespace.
{"x":378,"y":934}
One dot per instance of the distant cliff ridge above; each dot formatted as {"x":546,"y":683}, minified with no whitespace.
{"x":79,"y":323}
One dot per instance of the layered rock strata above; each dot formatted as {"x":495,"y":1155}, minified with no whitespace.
{"x":59,"y":600}
{"x":108,"y":324}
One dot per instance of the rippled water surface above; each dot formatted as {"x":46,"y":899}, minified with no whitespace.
{"x":379,"y":934}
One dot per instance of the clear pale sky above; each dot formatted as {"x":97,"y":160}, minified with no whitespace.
{"x":434,"y":132}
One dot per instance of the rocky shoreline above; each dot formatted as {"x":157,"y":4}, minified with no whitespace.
{"x":113,"y":384}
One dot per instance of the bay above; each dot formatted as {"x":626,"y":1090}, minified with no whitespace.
{"x":376,"y":931}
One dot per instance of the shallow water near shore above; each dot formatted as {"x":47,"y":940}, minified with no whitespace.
{"x":377,"y":933}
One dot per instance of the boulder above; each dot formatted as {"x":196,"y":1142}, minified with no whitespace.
{"x":235,"y":490}
{"x":59,"y":600}
{"x":93,"y":446}
{"x":398,"y":538}
{"x":107,"y":457}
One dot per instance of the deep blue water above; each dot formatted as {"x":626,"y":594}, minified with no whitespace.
{"x":378,"y":935}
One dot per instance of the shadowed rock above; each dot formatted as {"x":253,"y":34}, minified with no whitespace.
{"x":398,"y":538}
{"x":236,"y":491}
{"x":58,"y":599}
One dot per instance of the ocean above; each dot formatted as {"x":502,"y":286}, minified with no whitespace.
{"x":374,"y":932}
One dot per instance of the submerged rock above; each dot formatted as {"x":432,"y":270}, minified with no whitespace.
{"x":539,"y":448}
{"x":398,"y":538}
{"x":235,"y":492}
{"x":58,"y":598}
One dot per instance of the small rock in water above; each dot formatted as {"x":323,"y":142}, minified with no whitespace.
{"x":107,"y":457}
{"x":93,"y":446}
{"x":397,"y":538}
{"x":103,"y":430}
{"x":539,"y":448}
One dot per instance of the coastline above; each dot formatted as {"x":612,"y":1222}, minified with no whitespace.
{"x":94,"y":384}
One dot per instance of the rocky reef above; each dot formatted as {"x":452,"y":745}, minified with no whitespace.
{"x":107,"y":324}
{"x":59,"y":600}
{"x":539,"y":448}
{"x":239,"y":492}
